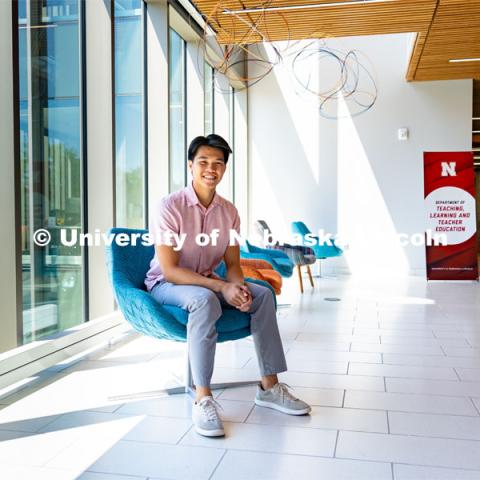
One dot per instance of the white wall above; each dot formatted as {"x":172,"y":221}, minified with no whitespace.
{"x":353,"y":176}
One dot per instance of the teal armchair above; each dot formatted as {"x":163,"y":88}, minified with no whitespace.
{"x":127,"y":267}
{"x":321,"y":251}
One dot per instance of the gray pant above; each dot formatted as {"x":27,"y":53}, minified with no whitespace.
{"x":205,"y":308}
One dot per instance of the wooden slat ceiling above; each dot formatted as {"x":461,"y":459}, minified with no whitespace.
{"x":446,"y":29}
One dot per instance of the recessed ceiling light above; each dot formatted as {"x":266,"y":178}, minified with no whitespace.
{"x":226,"y":11}
{"x":462,"y":60}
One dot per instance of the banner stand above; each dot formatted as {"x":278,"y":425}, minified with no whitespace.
{"x":451,"y":228}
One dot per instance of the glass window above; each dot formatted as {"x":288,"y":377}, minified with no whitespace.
{"x":177,"y":81}
{"x":129,"y":114}
{"x":209,"y":96}
{"x":51,"y":163}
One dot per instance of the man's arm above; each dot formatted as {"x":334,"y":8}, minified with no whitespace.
{"x":232,"y":262}
{"x":235,"y":276}
{"x":168,"y":259}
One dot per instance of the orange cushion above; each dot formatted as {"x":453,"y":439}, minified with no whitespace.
{"x":273,"y":278}
{"x":267,"y":275}
{"x":254,"y":263}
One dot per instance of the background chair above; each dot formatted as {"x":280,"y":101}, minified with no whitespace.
{"x":279,"y":260}
{"x":322,"y":251}
{"x":299,"y":255}
{"x":257,"y":269}
{"x":127,"y":268}
{"x":262,"y":270}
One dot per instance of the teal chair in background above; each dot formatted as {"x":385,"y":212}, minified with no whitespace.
{"x":278,"y":259}
{"x":322,"y":251}
{"x":299,"y":255}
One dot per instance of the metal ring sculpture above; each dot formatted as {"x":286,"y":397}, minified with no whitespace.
{"x":252,"y":48}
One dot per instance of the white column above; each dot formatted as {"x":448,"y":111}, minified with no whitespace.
{"x":99,"y":149}
{"x":195,"y":94}
{"x":241,"y":156}
{"x":8,"y":284}
{"x":157,"y":102}
{"x":222,"y":127}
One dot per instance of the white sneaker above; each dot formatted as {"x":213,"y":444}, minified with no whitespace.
{"x":206,"y":419}
{"x":279,"y":398}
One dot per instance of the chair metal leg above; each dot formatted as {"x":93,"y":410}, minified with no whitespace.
{"x":190,"y":387}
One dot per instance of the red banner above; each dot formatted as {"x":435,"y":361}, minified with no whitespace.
{"x":450,"y":209}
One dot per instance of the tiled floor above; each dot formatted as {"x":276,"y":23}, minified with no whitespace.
{"x":392,"y":372}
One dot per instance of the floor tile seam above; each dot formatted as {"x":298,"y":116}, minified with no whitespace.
{"x":474,"y":405}
{"x":457,"y":374}
{"x":453,"y":382}
{"x":425,"y":354}
{"x":430,"y":436}
{"x":313,"y":372}
{"x":246,"y":363}
{"x":57,"y":417}
{"x":189,"y":429}
{"x":299,"y":455}
{"x":469,"y":342}
{"x":429,"y":394}
{"x":433,"y":466}
{"x":475,"y":357}
{"x":415,"y":412}
{"x":127,"y":475}
{"x":403,"y":377}
{"x":62,"y":450}
{"x":411,"y":435}
{"x":419,"y":365}
{"x":170,"y":416}
{"x":27,"y":432}
{"x":314,"y":428}
{"x":249,"y":413}
{"x":118,"y":407}
{"x":326,"y":352}
{"x":434,"y":367}
{"x":419,"y":344}
{"x":356,"y":375}
{"x":430,"y":465}
{"x":338,"y":361}
{"x":167,"y":444}
{"x":218,"y":464}
{"x":336,"y":443}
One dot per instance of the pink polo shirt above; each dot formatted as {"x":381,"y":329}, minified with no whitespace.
{"x":182,"y":213}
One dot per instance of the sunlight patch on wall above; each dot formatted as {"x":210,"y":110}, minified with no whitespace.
{"x":364,"y":220}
